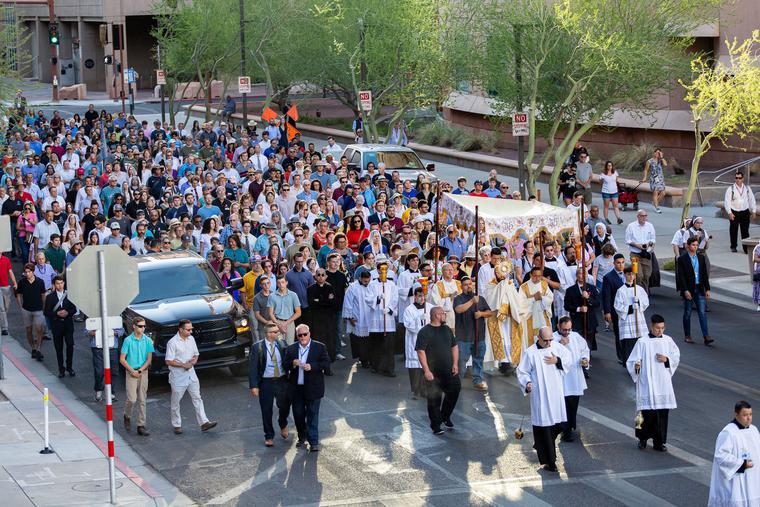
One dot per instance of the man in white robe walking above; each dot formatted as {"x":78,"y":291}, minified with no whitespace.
{"x":574,"y":381}
{"x":415,"y":317}
{"x":631,"y":301}
{"x":356,"y":313}
{"x":540,"y":375}
{"x":651,"y":364}
{"x":735,"y":479}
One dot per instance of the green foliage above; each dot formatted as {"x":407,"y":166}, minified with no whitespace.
{"x":469,"y":141}
{"x":14,"y":61}
{"x":580,"y":60}
{"x":437,"y":133}
{"x":728,"y":96}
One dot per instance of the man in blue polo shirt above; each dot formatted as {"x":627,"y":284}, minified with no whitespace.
{"x":136,"y":356}
{"x":284,"y":309}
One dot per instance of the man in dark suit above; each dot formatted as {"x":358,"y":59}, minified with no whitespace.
{"x":306,"y":362}
{"x":583,"y":299}
{"x":267,"y":379}
{"x":379,"y":215}
{"x":611,"y":282}
{"x":60,"y":312}
{"x":693,"y":282}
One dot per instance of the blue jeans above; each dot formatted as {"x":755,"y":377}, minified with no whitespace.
{"x":98,"y":370}
{"x":467,"y":349}
{"x":306,"y":416}
{"x":698,"y":298}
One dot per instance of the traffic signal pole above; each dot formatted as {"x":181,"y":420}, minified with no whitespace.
{"x":53,"y":52}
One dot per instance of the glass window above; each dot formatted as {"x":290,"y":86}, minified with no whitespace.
{"x":177,"y":281}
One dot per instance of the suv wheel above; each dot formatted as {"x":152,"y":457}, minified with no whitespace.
{"x":240,"y":369}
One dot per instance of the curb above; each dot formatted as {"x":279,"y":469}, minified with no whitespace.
{"x":86,"y":431}
{"x":668,"y":279}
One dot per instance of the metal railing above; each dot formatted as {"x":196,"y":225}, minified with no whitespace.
{"x":726,"y":171}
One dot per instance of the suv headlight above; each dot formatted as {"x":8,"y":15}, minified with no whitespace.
{"x":242,"y":325}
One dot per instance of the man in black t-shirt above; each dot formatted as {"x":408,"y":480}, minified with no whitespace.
{"x":439,"y":356}
{"x":468,"y":307}
{"x":31,"y":293}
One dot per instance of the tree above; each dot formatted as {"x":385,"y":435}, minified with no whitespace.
{"x":398,"y":50}
{"x":728,"y":96}
{"x":14,"y":61}
{"x":580,"y":61}
{"x":195,"y":48}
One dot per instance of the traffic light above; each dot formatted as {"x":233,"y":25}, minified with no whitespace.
{"x":53,"y":35}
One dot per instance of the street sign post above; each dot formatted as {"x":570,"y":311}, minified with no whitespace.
{"x":114,"y":292}
{"x":244,"y":84}
{"x":365,"y":100}
{"x":520,"y":124}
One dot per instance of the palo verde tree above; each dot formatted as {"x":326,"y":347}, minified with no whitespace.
{"x":199,"y":42}
{"x":582,"y":60}
{"x":726,"y":96}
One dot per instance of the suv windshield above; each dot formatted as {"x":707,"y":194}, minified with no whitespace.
{"x":399,"y":159}
{"x":179,"y":281}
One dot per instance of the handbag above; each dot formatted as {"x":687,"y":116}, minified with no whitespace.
{"x":756,"y":276}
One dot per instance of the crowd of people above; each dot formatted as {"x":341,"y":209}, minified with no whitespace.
{"x":335,"y":258}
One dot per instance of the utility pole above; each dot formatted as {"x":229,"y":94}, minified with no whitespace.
{"x":161,"y":91}
{"x":53,"y":52}
{"x":121,"y":65}
{"x":242,"y":61}
{"x":520,"y":142}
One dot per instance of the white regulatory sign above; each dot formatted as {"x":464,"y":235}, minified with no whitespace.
{"x":365,"y":100}
{"x":520,"y":125}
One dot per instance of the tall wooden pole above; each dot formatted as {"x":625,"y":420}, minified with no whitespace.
{"x":475,"y":278}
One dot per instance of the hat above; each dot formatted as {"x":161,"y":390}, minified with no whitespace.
{"x":453,"y":259}
{"x":256,"y":258}
{"x":381,"y":178}
{"x":442,"y":252}
{"x":349,"y":213}
{"x":117,"y":207}
{"x":396,"y":194}
{"x":140,"y":212}
{"x":255,"y":216}
{"x":251,"y":123}
{"x":80,"y":171}
{"x":470,"y":254}
{"x":294,"y":220}
{"x":186,"y":238}
{"x":478,"y":182}
{"x":269,"y":226}
{"x":115,"y":225}
{"x":381,"y":259}
{"x":174,"y":221}
{"x":461,"y":178}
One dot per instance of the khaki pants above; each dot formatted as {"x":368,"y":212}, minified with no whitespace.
{"x":194,"y":388}
{"x":290,"y":333}
{"x":137,"y":392}
{"x":645,"y":272}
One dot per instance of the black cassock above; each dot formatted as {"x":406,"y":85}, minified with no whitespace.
{"x":322,"y":307}
{"x":574,"y":300}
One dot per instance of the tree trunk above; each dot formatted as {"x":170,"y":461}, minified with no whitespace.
{"x":207,"y":89}
{"x":700,"y":147}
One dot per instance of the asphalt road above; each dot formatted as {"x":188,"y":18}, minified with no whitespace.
{"x":378,"y":449}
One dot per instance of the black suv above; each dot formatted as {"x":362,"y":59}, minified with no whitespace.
{"x":182,"y":285}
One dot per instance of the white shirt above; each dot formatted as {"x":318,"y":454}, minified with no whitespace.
{"x":181,"y":350}
{"x":272,"y":352}
{"x":728,"y":488}
{"x":303,"y":354}
{"x":640,"y":234}
{"x":43,"y":231}
{"x":739,"y":199}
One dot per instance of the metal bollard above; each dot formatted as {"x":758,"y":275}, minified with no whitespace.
{"x":45,"y":399}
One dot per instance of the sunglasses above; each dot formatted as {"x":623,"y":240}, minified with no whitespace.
{"x":140,"y":325}
{"x":303,"y":334}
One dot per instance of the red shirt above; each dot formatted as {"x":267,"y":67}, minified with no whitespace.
{"x":5,"y":266}
{"x":478,"y":194}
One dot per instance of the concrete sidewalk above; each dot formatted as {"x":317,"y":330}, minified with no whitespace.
{"x":77,"y":471}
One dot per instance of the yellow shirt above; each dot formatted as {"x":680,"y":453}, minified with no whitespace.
{"x":249,"y":281}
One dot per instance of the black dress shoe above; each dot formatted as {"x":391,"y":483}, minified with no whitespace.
{"x":586,"y":373}
{"x":448,"y":423}
{"x":551,"y":467}
{"x":142,"y":431}
{"x":329,"y":373}
{"x":61,"y":374}
{"x":642,"y":444}
{"x":301,"y":443}
{"x":314,"y":448}
{"x":568,"y":437}
{"x":71,"y":373}
{"x":438,"y":431}
{"x":5,"y":332}
{"x":660,"y":448}
{"x":40,"y":357}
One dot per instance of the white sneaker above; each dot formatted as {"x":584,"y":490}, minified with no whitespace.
{"x":658,"y":210}
{"x":113,"y":398}
{"x":342,"y":343}
{"x":98,"y":396}
{"x":758,"y":308}
{"x":341,"y":357}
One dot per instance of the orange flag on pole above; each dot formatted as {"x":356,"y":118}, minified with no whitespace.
{"x":293,"y":112}
{"x":267,"y":114}
{"x":292,"y":131}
